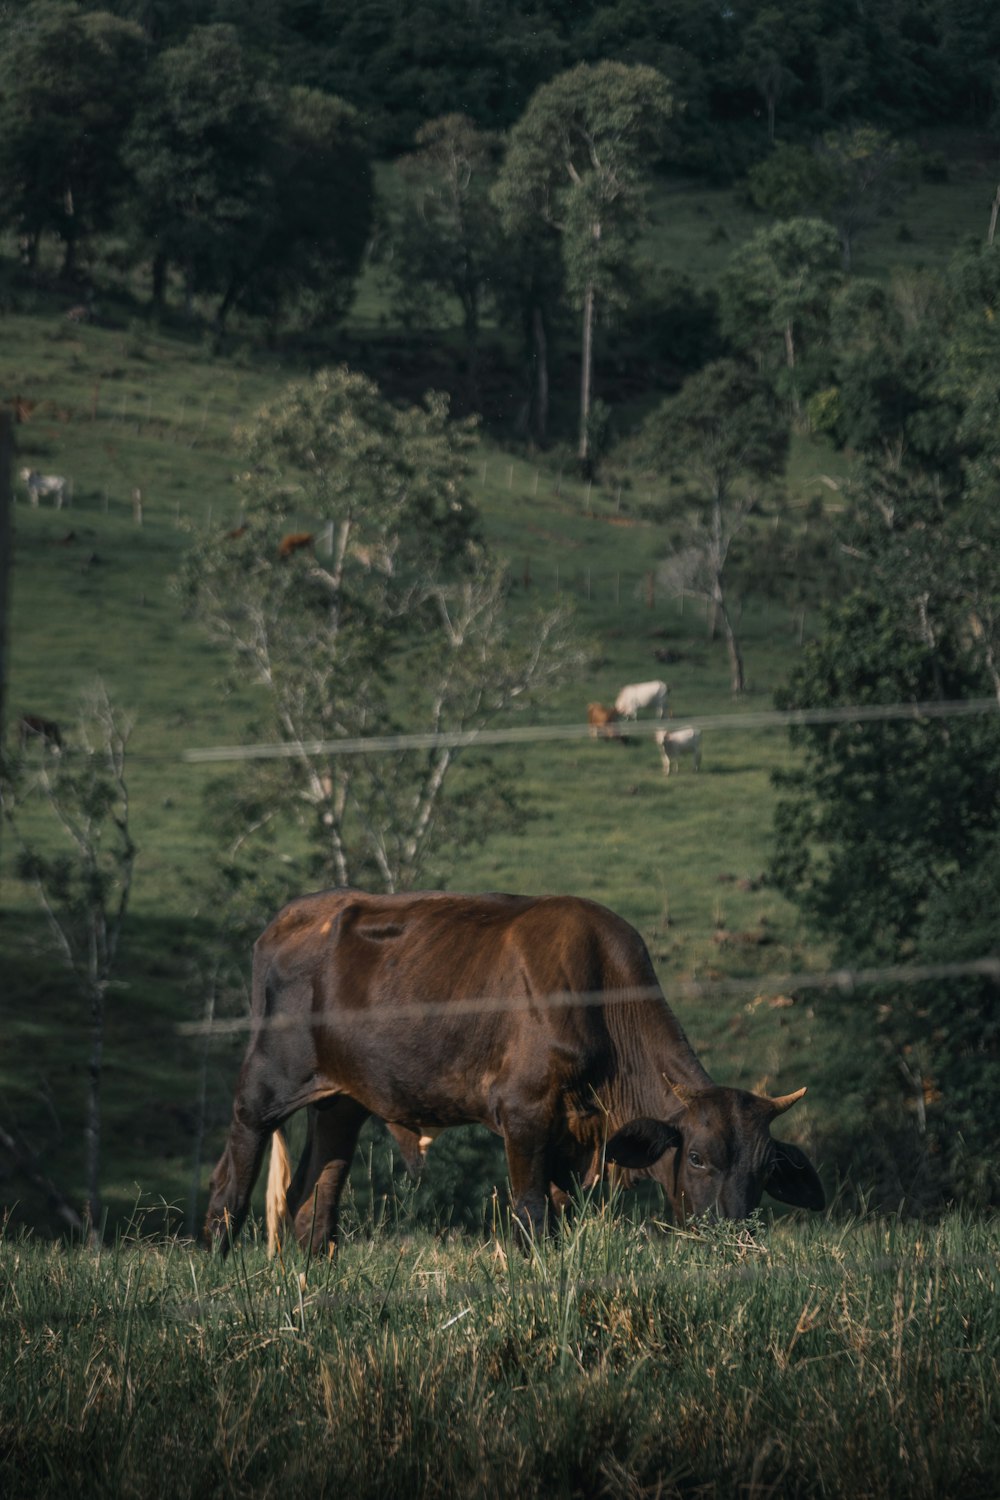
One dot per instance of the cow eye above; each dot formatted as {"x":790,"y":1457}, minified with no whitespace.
{"x":695,"y":1159}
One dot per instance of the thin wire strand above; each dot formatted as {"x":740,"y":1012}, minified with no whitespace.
{"x":866,"y":713}
{"x":842,"y":980}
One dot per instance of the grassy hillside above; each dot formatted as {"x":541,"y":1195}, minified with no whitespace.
{"x":119,"y":406}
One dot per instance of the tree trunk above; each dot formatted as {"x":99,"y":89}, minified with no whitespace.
{"x":160,"y":268}
{"x":199,"y":1134}
{"x":586,"y":370}
{"x":69,"y":259}
{"x":226,"y":305}
{"x":470,"y":310}
{"x":737,"y":679}
{"x":92,"y":1122}
{"x":541,"y":348}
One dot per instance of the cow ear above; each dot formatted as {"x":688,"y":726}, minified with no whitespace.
{"x":641,"y":1142}
{"x":793,"y":1178}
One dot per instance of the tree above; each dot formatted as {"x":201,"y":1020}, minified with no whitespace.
{"x":446,"y":238}
{"x":724,"y":435}
{"x":867,"y":174}
{"x":68,"y":86}
{"x":576,"y":161}
{"x":792,"y":182}
{"x":889,"y":397}
{"x":393,"y":617}
{"x":84,"y":890}
{"x":775,"y":294}
{"x":196,"y":150}
{"x":885,"y":832}
{"x":769,"y":42}
{"x":302,"y":253}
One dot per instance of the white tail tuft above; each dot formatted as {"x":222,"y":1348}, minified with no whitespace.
{"x":279,"y":1177}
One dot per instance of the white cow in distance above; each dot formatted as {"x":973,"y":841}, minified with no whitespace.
{"x":685,"y":737}
{"x":39,"y":485}
{"x":642,"y":695}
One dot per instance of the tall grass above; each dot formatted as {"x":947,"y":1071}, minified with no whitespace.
{"x":620,"y":1360}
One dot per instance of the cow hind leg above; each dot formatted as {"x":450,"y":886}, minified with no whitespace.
{"x":336,"y":1124}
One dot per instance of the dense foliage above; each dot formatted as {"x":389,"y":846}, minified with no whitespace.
{"x":887,"y":831}
{"x":182,"y":125}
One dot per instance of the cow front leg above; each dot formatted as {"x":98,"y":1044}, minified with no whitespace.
{"x":336,"y":1124}
{"x":527,"y":1167}
{"x":232,"y":1182}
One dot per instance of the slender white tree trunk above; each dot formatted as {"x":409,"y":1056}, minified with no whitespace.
{"x":586,"y":372}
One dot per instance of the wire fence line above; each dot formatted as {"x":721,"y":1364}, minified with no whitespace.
{"x":864,"y":713}
{"x":840,"y":980}
{"x":843,"y":981}
{"x":525,"y":734}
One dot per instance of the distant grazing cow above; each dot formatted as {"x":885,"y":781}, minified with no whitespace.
{"x":22,"y":410}
{"x":538,"y":1017}
{"x":294,"y":542}
{"x":33,"y":728}
{"x":639,"y":695}
{"x":675,"y":740}
{"x":39,"y":485}
{"x":602,"y":721}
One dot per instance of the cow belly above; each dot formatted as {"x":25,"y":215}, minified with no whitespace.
{"x":402,"y":1080}
{"x":399,"y":1085}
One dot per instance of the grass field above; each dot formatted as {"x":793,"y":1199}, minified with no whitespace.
{"x":847,"y":1356}
{"x":850,"y":1359}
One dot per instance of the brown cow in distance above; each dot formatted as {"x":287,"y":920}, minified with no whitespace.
{"x":602,"y":722}
{"x":538,"y":1017}
{"x":295,"y":541}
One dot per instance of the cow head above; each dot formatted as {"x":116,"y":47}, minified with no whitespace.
{"x":716,"y":1157}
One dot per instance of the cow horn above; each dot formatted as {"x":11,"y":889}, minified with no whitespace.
{"x":785,"y":1101}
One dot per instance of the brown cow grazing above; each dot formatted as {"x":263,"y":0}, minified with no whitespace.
{"x":294,"y":542}
{"x":538,"y":1017}
{"x":33,"y":728}
{"x":602,"y":721}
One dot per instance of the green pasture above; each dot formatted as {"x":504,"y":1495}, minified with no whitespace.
{"x":123,"y":409}
{"x":122,"y":406}
{"x":834,"y":1359}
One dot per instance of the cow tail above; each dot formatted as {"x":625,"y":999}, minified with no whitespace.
{"x":279,"y":1177}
